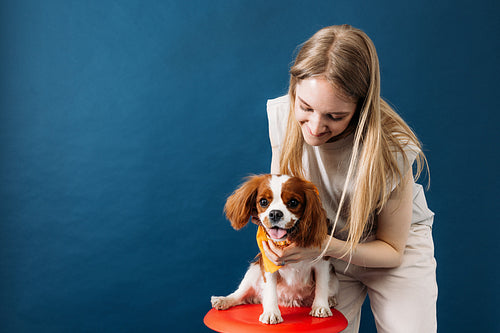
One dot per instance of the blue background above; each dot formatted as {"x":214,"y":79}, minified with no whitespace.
{"x":124,"y":125}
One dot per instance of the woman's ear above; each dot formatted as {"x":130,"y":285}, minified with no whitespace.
{"x":314,"y":218}
{"x":242,"y":203}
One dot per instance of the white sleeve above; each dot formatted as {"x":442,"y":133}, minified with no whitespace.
{"x":410,"y":151}
{"x":277,"y":115}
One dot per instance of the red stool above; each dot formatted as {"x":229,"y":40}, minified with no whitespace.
{"x":245,"y":318}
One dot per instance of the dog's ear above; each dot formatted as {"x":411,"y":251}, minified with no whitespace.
{"x":314,"y":223}
{"x":242,"y":203}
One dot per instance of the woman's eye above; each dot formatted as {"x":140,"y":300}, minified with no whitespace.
{"x":293,"y":203}
{"x":263,"y":202}
{"x":335,"y":118}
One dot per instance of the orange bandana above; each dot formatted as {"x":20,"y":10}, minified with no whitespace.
{"x":269,"y":266}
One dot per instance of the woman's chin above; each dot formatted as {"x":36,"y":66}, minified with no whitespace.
{"x":316,"y":141}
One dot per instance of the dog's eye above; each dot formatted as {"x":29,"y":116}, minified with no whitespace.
{"x":263,"y":202}
{"x":293,"y":203}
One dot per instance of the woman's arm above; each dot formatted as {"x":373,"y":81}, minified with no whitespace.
{"x":385,"y":251}
{"x":392,"y":232}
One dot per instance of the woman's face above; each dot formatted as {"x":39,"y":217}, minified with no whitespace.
{"x":320,"y":112}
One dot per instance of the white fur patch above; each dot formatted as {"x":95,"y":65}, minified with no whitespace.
{"x":276,"y":185}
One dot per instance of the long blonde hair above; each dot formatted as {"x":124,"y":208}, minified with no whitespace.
{"x":346,"y":57}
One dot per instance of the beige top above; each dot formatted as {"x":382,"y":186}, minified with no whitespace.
{"x":326,"y":166}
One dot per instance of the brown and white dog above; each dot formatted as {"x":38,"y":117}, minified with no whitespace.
{"x":289,"y":209}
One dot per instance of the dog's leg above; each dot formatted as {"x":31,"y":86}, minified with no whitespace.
{"x":333,"y":289}
{"x":240,"y":295}
{"x":271,"y":314}
{"x":320,"y":306}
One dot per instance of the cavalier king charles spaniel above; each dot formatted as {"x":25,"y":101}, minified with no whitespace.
{"x":288,"y":210}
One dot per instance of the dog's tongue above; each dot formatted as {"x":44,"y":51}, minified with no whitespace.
{"x":277,"y":233}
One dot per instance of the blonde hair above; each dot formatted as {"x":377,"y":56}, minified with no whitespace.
{"x":346,"y":57}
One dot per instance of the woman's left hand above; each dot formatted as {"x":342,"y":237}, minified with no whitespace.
{"x":289,"y":254}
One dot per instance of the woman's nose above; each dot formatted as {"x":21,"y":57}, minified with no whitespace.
{"x":316,"y":124}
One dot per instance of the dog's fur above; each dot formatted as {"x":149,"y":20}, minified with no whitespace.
{"x":297,"y":216}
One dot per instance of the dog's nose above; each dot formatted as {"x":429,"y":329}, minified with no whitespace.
{"x":275,"y":215}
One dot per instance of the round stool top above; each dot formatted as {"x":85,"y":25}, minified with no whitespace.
{"x":245,"y":318}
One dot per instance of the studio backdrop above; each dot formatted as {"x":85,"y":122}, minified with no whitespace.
{"x":124,"y":126}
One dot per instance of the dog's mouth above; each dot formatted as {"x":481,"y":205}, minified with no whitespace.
{"x":278,"y":234}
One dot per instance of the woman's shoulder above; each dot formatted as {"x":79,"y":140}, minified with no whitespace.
{"x":405,"y":152}
{"x":406,"y":149}
{"x":277,"y":114}
{"x":278,"y":100}
{"x":279,"y":105}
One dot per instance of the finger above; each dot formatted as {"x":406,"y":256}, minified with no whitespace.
{"x":269,"y":253}
{"x":275,"y":254}
{"x":283,"y":251}
{"x":278,"y":251}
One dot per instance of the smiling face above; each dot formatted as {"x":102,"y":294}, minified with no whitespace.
{"x":280,"y":204}
{"x":320,"y":112}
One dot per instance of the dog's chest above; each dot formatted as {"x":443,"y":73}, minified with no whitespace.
{"x":296,"y":274}
{"x":295,"y":284}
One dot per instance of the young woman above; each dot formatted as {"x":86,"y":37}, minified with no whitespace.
{"x":334,"y":129}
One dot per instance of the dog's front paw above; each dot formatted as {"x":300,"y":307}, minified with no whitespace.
{"x":221,"y":302}
{"x":321,"y":312}
{"x":271,"y":317}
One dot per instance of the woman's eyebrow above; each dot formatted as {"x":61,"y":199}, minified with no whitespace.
{"x":340,"y":113}
{"x":304,"y":102}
